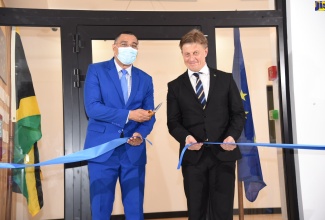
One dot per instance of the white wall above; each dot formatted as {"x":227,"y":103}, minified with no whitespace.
{"x":145,"y":5}
{"x":306,"y":34}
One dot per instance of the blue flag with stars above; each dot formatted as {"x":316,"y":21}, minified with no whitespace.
{"x":249,"y":171}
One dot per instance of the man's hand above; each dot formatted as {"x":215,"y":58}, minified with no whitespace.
{"x":191,"y":140}
{"x":151,"y":113}
{"x":140,"y":115}
{"x":136,"y":139}
{"x":228,"y":147}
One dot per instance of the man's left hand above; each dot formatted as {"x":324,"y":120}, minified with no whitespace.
{"x":136,"y":139}
{"x":228,"y":147}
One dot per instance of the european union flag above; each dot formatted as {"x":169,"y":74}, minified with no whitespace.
{"x":250,"y":171}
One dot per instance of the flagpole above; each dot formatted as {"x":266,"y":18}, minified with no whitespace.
{"x":240,"y":197}
{"x":13,"y":76}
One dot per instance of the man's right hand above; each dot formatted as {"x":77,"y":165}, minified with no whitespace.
{"x":140,"y":115}
{"x":191,"y":140}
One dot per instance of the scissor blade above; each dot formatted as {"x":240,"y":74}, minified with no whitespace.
{"x":158,"y":106}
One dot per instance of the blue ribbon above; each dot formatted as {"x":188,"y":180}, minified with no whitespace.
{"x":288,"y":146}
{"x":98,"y":150}
{"x":82,"y":155}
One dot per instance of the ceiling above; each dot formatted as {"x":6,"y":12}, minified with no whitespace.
{"x":144,"y":5}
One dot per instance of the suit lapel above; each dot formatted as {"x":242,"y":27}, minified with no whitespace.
{"x":187,"y":83}
{"x":112,"y":73}
{"x":213,"y":81}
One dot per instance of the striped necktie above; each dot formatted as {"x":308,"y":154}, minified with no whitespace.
{"x":199,"y":90}
{"x":124,"y":85}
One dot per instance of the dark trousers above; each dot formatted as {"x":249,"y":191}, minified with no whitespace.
{"x":209,"y":188}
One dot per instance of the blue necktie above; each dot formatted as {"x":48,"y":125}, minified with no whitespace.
{"x":199,"y":90}
{"x":124,"y":85}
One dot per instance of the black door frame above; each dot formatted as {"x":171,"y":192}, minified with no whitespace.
{"x":68,"y":20}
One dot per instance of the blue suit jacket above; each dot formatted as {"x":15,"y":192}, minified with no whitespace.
{"x":104,"y":105}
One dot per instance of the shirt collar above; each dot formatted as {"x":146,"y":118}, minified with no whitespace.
{"x":118,"y":68}
{"x":204,"y":71}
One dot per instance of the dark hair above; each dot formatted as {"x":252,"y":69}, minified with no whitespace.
{"x":124,"y":32}
{"x":194,"y":36}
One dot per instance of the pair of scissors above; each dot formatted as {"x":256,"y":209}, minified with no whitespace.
{"x":158,"y":106}
{"x":156,"y":109}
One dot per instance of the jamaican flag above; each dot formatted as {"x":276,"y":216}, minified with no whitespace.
{"x":27,"y":132}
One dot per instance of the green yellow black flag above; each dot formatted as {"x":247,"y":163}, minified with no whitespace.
{"x":27,"y":132}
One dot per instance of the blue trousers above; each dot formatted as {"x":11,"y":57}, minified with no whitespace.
{"x":102,"y":181}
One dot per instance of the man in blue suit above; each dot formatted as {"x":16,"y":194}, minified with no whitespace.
{"x":116,"y":110}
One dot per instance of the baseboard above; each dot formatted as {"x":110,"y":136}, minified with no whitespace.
{"x":182,"y":214}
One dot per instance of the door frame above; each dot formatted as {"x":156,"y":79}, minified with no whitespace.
{"x":69,"y":20}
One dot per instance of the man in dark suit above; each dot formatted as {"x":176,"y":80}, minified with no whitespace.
{"x":117,"y":99}
{"x":204,"y":105}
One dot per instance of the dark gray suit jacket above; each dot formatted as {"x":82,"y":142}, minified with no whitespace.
{"x":223,"y":116}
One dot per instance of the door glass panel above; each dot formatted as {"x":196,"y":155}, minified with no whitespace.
{"x":259,"y":53}
{"x":42,"y":48}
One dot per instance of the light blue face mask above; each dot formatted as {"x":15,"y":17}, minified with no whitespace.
{"x":127,"y":55}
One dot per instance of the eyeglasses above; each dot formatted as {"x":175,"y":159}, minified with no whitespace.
{"x":124,"y":44}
